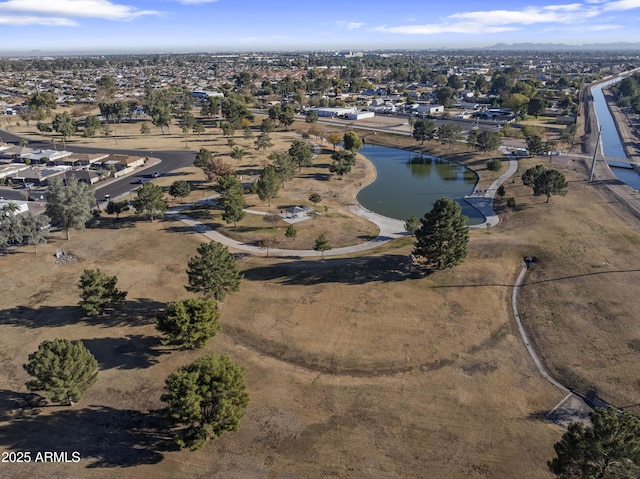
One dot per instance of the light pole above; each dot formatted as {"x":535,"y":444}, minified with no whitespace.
{"x":595,"y":154}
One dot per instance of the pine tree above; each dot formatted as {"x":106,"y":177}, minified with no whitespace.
{"x":180,"y":189}
{"x":343,"y":161}
{"x":301,"y":153}
{"x":207,"y":398}
{"x":150,"y":201}
{"x":189,"y":323}
{"x":99,"y":291}
{"x":549,"y":183}
{"x":291,"y":232}
{"x":284,"y":165}
{"x":322,"y":244}
{"x":609,"y":448}
{"x":63,"y":369}
{"x":202,"y":158}
{"x":231,"y":199}
{"x":443,"y":236}
{"x":530,"y":175}
{"x":214,"y":272}
{"x":117,"y":207}
{"x":268,"y":184}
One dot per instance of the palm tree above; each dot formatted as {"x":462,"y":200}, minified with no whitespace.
{"x":10,"y":209}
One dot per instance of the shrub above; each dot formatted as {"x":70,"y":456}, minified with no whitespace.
{"x":494,"y":164}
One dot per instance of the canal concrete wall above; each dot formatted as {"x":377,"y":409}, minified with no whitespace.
{"x":606,"y":182}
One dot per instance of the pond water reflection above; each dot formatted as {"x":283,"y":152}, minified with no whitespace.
{"x":408,"y":184}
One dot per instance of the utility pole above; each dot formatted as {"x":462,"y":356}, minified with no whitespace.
{"x":595,"y":154}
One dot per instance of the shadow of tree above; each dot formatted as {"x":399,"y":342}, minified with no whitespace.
{"x":138,"y":311}
{"x":15,"y":405}
{"x":111,"y":222}
{"x":104,"y":437}
{"x":181,"y":229}
{"x":316,"y":176}
{"x":134,"y":351}
{"x":386,"y":268}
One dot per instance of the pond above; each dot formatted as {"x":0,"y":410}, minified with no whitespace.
{"x":408,"y":184}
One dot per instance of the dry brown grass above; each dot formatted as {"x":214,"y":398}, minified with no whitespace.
{"x":356,"y":366}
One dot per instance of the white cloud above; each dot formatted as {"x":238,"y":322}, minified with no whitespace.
{"x":496,"y":21}
{"x":22,"y":20}
{"x":621,"y":5}
{"x":435,"y":28}
{"x":530,"y":15}
{"x":348,"y":25}
{"x":74,"y":8}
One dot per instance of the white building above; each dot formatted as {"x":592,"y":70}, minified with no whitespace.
{"x":360,"y":115}
{"x":333,"y":112}
{"x":41,"y":156}
{"x":12,"y":169}
{"x":430,"y":110}
{"x":23,"y":206}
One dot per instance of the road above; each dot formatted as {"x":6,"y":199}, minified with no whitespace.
{"x":169,"y":160}
{"x":396,"y":123}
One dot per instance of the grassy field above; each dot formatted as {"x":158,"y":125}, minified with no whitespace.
{"x":357,"y":367}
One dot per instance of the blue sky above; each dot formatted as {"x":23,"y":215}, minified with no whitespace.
{"x":250,"y":25}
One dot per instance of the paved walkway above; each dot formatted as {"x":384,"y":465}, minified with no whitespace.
{"x":390,"y":228}
{"x":482,"y":200}
{"x":573,"y":407}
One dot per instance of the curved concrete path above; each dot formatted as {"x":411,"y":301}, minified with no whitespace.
{"x":482,"y":200}
{"x":525,"y":337}
{"x":390,"y":228}
{"x":573,"y":407}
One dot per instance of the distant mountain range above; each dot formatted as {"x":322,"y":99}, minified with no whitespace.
{"x":546,"y":47}
{"x":500,"y":47}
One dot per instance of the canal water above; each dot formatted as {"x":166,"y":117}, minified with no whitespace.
{"x":409,"y":184}
{"x":611,"y":143}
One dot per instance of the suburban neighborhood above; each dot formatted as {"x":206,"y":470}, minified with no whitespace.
{"x":198,"y":237}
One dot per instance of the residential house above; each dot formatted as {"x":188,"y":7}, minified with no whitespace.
{"x":13,"y":169}
{"x":46,"y":156}
{"x":39,"y":175}
{"x":16,"y":153}
{"x":81,"y":159}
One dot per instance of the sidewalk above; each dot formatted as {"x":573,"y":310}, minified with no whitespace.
{"x":389,"y":229}
{"x":483,"y":200}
